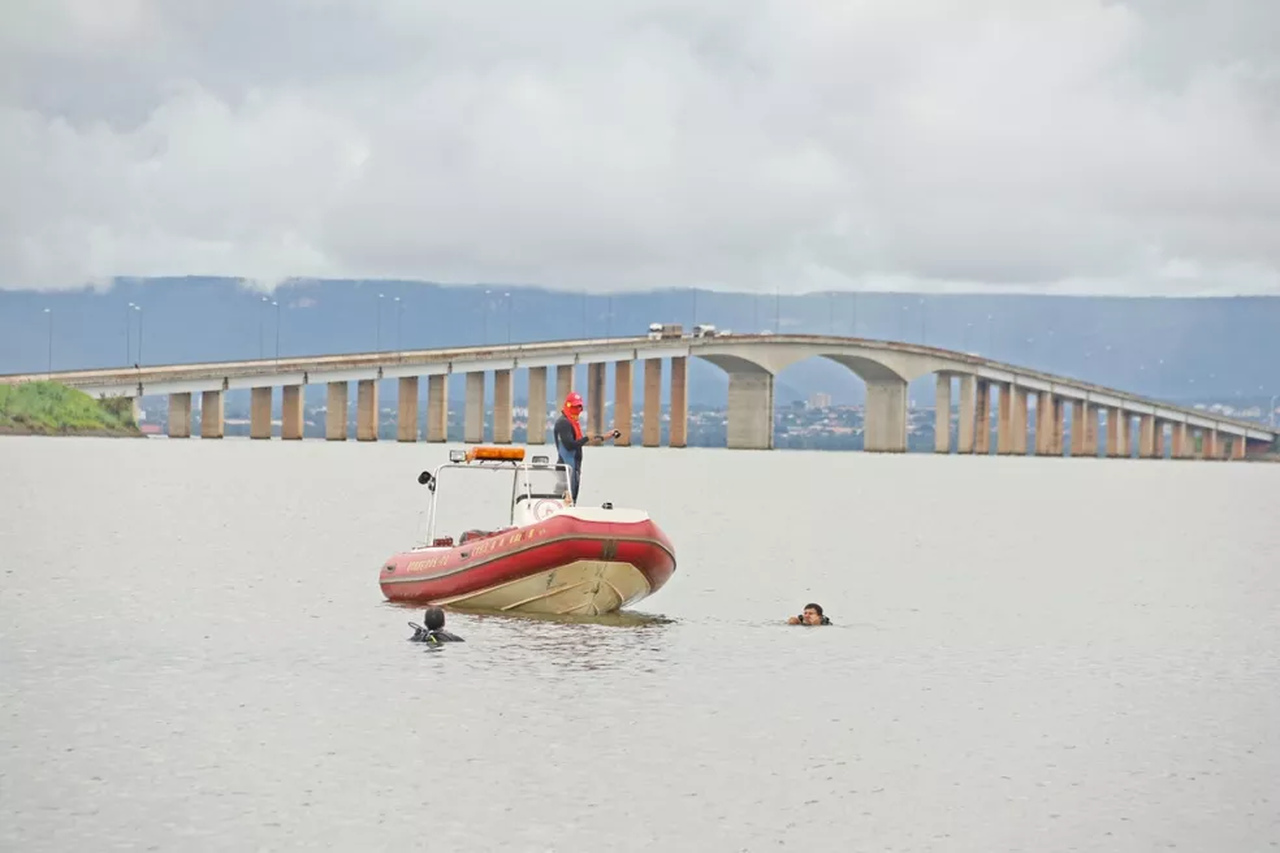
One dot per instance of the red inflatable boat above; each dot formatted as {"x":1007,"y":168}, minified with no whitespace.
{"x":549,"y":557}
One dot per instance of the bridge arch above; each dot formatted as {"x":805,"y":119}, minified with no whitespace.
{"x":753,"y":367}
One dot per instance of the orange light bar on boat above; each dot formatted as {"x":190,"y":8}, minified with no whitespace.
{"x":495,"y":453}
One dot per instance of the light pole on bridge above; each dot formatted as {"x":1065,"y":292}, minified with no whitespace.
{"x":128,"y":333}
{"x":377,"y":335}
{"x":49,"y":311}
{"x":275,"y":303}
{"x":138,"y":308}
{"x":399,"y":310}
{"x":262,"y":334}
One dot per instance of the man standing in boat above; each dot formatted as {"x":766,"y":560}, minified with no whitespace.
{"x":570,"y":440}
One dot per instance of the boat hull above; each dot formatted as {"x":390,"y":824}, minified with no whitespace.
{"x":578,"y":561}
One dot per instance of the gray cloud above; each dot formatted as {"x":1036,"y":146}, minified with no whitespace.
{"x":1064,"y":146}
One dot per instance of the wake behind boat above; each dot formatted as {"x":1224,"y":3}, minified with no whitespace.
{"x":549,"y":558}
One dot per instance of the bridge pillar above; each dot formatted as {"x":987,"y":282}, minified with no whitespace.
{"x":1059,"y":425}
{"x":291,"y":413}
{"x":750,"y":411}
{"x":622,"y":402}
{"x":1116,"y":432}
{"x":1146,"y":436}
{"x":1238,"y":446}
{"x":1044,"y":424}
{"x":335,"y":417}
{"x":1157,"y":439}
{"x":564,"y":384}
{"x":407,"y":408}
{"x":885,"y":418}
{"x":367,"y":410}
{"x":536,"y":431}
{"x":942,"y":415}
{"x":651,"y":428}
{"x":1179,"y":444}
{"x":1080,"y":410}
{"x":437,"y":407}
{"x":211,"y":421}
{"x":180,"y":415}
{"x":135,"y":409}
{"x":678,"y":430}
{"x":260,"y":413}
{"x":502,"y":406}
{"x":1124,"y":429}
{"x":595,"y":398}
{"x":1004,"y":419}
{"x":1091,"y":431}
{"x":473,"y":420}
{"x":968,"y":391}
{"x":982,"y":418}
{"x":1020,"y":395}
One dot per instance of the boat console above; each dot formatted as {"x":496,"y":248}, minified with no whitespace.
{"x":539,"y":489}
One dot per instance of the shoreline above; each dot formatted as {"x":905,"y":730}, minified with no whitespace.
{"x":67,"y":432}
{"x":52,"y":409}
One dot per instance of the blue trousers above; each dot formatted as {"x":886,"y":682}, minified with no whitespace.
{"x":571,"y":470}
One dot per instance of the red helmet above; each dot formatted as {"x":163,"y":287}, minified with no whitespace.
{"x":573,"y":400}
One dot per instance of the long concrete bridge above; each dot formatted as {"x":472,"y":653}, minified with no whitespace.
{"x":751,"y":361}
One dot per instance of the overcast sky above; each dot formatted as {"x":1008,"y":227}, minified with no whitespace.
{"x":1053,"y":145}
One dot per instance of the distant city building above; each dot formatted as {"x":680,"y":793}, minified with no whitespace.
{"x":819,"y":400}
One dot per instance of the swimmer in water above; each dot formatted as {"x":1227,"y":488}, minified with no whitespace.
{"x":812,"y":615}
{"x":432,"y":629}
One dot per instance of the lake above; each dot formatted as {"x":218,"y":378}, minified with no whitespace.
{"x":1027,"y":655}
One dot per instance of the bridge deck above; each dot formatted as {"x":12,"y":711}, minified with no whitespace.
{"x":390,"y":364}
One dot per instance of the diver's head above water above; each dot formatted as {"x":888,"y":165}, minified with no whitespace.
{"x":432,"y":628}
{"x":812,"y":615}
{"x":433,"y":618}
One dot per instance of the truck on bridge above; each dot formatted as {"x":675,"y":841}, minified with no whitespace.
{"x":659,"y":331}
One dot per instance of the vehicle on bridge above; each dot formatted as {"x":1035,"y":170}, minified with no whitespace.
{"x":661,"y":331}
{"x":545,"y":555}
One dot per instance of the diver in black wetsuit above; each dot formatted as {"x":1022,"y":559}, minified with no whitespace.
{"x":432,"y":630}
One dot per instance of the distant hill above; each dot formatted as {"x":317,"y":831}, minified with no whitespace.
{"x":1177,"y":349}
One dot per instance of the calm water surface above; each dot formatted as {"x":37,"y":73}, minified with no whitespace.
{"x":1028,"y":654}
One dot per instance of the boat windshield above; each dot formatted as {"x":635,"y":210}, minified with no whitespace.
{"x":470,"y":498}
{"x":541,"y":482}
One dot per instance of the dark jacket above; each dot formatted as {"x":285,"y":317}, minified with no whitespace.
{"x":569,"y":448}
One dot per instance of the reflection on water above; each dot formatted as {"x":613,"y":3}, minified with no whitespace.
{"x":620,"y":619}
{"x":1026,"y":654}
